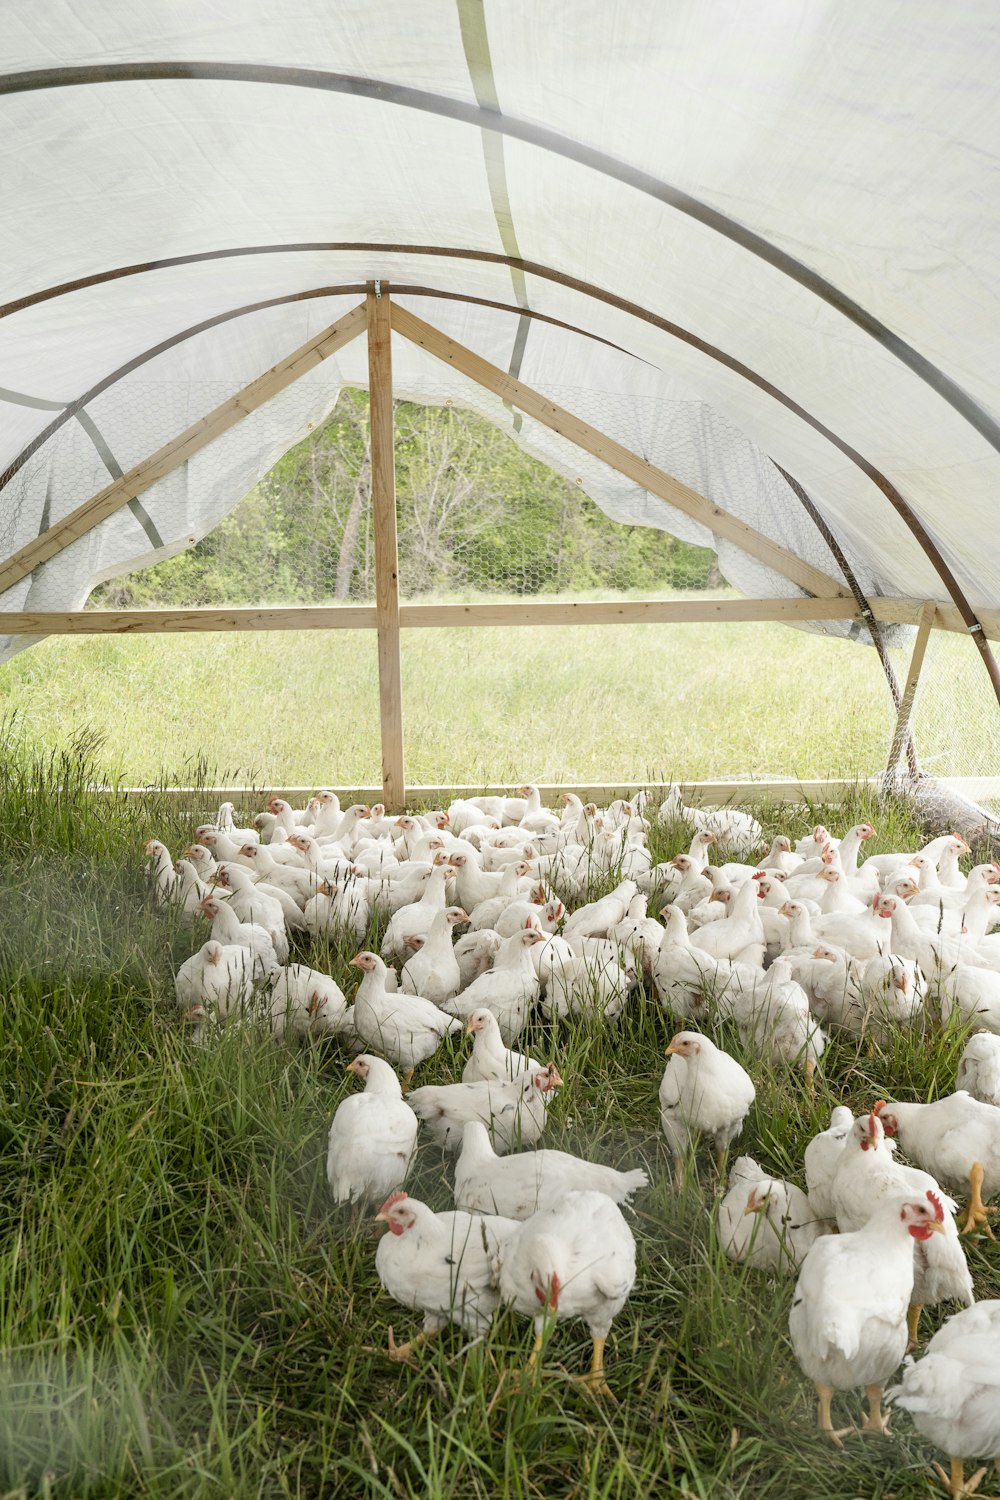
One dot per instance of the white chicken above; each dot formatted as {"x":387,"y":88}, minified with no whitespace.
{"x":821,"y":1157}
{"x":161,"y":871}
{"x":514,"y":1111}
{"x":865,"y":1176}
{"x":219,"y":977}
{"x":442,"y":1264}
{"x":373,"y":1137}
{"x":303,"y":989}
{"x":573,"y":1258}
{"x":228,"y":929}
{"x":703,"y":1091}
{"x":848,"y":1316}
{"x":979,"y":1069}
{"x":508,"y":989}
{"x":956,"y":1139}
{"x":765,"y":1222}
{"x":953,"y":1393}
{"x":518,"y":1185}
{"x":491,"y":1061}
{"x":406,"y":1029}
{"x":432,"y":969}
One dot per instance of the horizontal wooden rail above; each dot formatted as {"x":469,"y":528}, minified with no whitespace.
{"x":500,"y":614}
{"x":424,"y":616}
{"x":705,"y":793}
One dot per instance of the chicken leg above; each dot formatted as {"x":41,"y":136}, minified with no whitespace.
{"x":401,"y":1352}
{"x":912,"y":1324}
{"x":407,"y":1080}
{"x":955,"y":1482}
{"x":976,"y":1212}
{"x":824,"y":1419}
{"x":875,"y":1419}
{"x":595,"y":1381}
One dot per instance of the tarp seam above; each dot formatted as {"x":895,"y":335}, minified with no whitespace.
{"x":476,"y":42}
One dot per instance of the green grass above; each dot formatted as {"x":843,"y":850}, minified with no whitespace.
{"x":183,"y":1313}
{"x":556,"y":703}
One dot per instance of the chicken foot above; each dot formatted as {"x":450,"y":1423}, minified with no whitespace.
{"x":824,"y":1419}
{"x":595,"y":1381}
{"x":976,"y":1212}
{"x":401,"y":1352}
{"x":875,"y":1419}
{"x":955,"y":1483}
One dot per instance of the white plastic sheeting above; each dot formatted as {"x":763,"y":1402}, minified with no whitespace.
{"x":860,"y":144}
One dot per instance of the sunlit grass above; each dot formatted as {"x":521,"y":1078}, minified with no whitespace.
{"x":183,"y":1313}
{"x":570,"y":703}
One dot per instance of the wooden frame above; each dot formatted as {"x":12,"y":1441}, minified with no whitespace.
{"x":380,"y":318}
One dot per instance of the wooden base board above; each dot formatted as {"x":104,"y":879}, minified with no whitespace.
{"x":701,"y":793}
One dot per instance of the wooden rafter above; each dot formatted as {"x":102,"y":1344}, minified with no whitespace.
{"x":180,"y":449}
{"x":597,"y":443}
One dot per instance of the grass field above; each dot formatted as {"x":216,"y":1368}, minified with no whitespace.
{"x":553,"y":704}
{"x":184,"y":1314}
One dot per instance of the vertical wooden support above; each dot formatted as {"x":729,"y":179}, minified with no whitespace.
{"x":390,"y":688}
{"x":905,"y":712}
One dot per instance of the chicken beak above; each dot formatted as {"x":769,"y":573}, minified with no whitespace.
{"x":673,"y":1048}
{"x":754,"y":1205}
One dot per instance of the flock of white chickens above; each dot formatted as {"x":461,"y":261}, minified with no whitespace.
{"x":799,"y":939}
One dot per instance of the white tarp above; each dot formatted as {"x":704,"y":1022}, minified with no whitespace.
{"x":860,"y":143}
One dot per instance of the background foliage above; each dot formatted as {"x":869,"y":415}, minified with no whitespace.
{"x":475,"y":514}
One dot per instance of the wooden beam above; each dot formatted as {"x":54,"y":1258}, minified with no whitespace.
{"x":625,"y":612}
{"x":390,"y":685}
{"x":908,"y":612}
{"x":905,"y":712}
{"x":498,"y":613}
{"x":655,"y":480}
{"x":188,"y":621}
{"x":180,"y":449}
{"x":703,"y":793}
{"x":501,"y":614}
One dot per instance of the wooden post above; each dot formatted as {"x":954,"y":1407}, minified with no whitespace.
{"x":390,"y":686}
{"x":905,"y":713}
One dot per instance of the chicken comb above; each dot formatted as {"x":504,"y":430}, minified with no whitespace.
{"x":393,"y":1198}
{"x":873,"y":1118}
{"x":937,"y":1205}
{"x":878,"y":1106}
